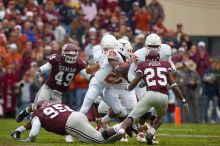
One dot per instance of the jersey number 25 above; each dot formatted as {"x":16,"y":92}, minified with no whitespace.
{"x":161,"y":77}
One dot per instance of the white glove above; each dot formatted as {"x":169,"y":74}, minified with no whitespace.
{"x":177,"y":73}
{"x":141,"y":84}
{"x":37,"y":75}
{"x":186,"y":106}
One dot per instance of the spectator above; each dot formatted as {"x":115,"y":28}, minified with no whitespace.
{"x":2,"y":11}
{"x":142,"y":19}
{"x":50,"y":12}
{"x":140,"y":40}
{"x":160,"y":28}
{"x":80,"y":91}
{"x":192,"y":83}
{"x":24,"y":88}
{"x":27,"y":30}
{"x":8,"y":82}
{"x":126,"y":5}
{"x":201,"y":58}
{"x":179,"y":32}
{"x":114,"y":25}
{"x":157,"y":12}
{"x":13,"y":57}
{"x":58,"y":30}
{"x":210,"y":93}
{"x":68,"y":14}
{"x":89,"y":9}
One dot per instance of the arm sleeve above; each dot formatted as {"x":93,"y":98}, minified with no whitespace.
{"x":46,"y":68}
{"x":171,"y":63}
{"x":131,"y":71}
{"x":84,"y":74}
{"x":35,"y":122}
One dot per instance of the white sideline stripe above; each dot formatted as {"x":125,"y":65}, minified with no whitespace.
{"x":188,"y":135}
{"x":176,"y":129}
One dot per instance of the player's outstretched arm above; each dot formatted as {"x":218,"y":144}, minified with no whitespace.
{"x":43,"y":69}
{"x":92,"y":68}
{"x":177,"y":91}
{"x":36,"y":124}
{"x":135,"y":81}
{"x":84,"y":74}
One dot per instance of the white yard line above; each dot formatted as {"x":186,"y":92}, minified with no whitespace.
{"x":188,"y":135}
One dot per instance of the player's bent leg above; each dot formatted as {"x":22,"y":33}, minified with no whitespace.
{"x":92,"y":93}
{"x":78,"y":126}
{"x":111,"y":97}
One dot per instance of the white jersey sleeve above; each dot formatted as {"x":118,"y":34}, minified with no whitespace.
{"x":141,"y":54}
{"x":99,"y":57}
{"x":165,"y":54}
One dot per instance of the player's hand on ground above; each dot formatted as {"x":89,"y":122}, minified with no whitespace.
{"x":24,"y":140}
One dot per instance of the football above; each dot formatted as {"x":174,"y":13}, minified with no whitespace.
{"x":124,"y":66}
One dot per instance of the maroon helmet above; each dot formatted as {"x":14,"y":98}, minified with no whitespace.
{"x":70,"y":53}
{"x":153,"y":55}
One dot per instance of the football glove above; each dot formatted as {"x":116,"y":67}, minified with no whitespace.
{"x":186,"y":106}
{"x":37,"y":75}
{"x":177,"y":73}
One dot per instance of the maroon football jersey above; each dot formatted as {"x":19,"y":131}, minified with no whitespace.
{"x":155,"y":75}
{"x":62,"y":73}
{"x":54,"y":117}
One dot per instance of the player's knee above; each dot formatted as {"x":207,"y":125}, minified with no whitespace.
{"x":120,"y":112}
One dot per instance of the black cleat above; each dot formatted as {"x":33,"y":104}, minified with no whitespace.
{"x":149,"y":138}
{"x":16,"y":135}
{"x":131,"y":129}
{"x":22,"y":115}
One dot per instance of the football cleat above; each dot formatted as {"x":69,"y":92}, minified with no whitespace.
{"x":149,"y":138}
{"x":140,"y":137}
{"x":124,"y":139}
{"x":22,"y":115}
{"x":114,"y":138}
{"x":69,"y":138}
{"x":16,"y":135}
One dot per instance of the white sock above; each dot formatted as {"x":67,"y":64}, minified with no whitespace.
{"x":21,"y":129}
{"x":151,"y":130}
{"x":117,"y":127}
{"x":105,"y":119}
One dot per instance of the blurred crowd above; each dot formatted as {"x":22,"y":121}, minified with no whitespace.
{"x":32,"y":30}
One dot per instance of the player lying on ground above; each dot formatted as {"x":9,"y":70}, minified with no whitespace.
{"x":60,"y":119}
{"x":156,"y":75}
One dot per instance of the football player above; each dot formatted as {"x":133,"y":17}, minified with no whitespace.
{"x":156,"y":75}
{"x":104,"y":78}
{"x":60,"y":119}
{"x":62,"y":67}
{"x":152,"y":41}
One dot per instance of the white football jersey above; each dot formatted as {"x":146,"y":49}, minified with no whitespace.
{"x":141,"y":54}
{"x":105,"y":74}
{"x":99,"y":57}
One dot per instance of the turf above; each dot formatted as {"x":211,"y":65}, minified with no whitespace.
{"x":168,"y":135}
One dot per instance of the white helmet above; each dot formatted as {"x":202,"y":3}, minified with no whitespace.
{"x":108,"y":42}
{"x":165,"y":52}
{"x":129,"y":49}
{"x":124,"y":42}
{"x":153,"y":41}
{"x":124,"y":48}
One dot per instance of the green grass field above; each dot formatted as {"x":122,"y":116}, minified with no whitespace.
{"x":168,"y":134}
